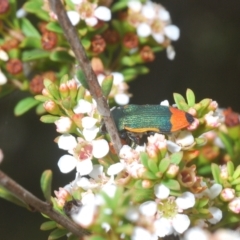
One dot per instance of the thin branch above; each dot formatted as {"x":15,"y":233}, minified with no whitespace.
{"x":94,"y":87}
{"x":40,"y":206}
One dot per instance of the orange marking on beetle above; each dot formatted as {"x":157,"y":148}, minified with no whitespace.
{"x":141,"y":130}
{"x":178,"y":119}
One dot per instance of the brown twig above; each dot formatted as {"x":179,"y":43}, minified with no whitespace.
{"x":94,"y":87}
{"x":40,"y":206}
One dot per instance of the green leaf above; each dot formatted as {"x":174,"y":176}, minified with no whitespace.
{"x":5,"y":194}
{"x":86,"y":43}
{"x":46,"y":184}
{"x":216,"y":172}
{"x":36,"y":8}
{"x":131,"y":73}
{"x":96,"y":238}
{"x":201,"y":141}
{"x":203,"y":107}
{"x":202,"y":202}
{"x":228,"y":143}
{"x":54,"y":27}
{"x":144,"y":159}
{"x":48,"y":119}
{"x":119,"y":5}
{"x":176,"y":157}
{"x":48,"y":225}
{"x":128,"y":61}
{"x":149,"y":175}
{"x":230,"y":168}
{"x":41,"y":98}
{"x":82,"y":78}
{"x":14,"y":53}
{"x":107,"y":85}
{"x":152,"y":165}
{"x":40,"y":109}
{"x":24,"y":105}
{"x":53,"y":90}
{"x":57,"y":234}
{"x":28,"y":29}
{"x":179,"y":99}
{"x":190,"y":97}
{"x":81,"y":93}
{"x":236,"y":173}
{"x":34,"y":54}
{"x":164,"y":164}
{"x":31,"y":42}
{"x":61,"y":56}
{"x":73,"y":237}
{"x":64,"y":78}
{"x":171,"y":184}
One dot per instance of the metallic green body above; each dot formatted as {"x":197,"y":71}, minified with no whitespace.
{"x":143,"y":117}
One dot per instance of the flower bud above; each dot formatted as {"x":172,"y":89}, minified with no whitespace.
{"x":234,"y":205}
{"x":227,"y":194}
{"x":63,"y":90}
{"x":52,"y":107}
{"x":130,"y":40}
{"x":63,"y":124}
{"x":172,"y":171}
{"x":147,"y":54}
{"x":14,"y":66}
{"x":147,"y":184}
{"x":36,"y":85}
{"x":4,"y":6}
{"x":49,"y":40}
{"x":98,"y":44}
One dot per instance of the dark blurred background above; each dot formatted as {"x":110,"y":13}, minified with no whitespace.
{"x":207,"y":61}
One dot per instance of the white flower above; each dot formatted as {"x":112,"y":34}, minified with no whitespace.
{"x":92,"y":14}
{"x":178,"y":222}
{"x":82,"y":159}
{"x":90,"y":131}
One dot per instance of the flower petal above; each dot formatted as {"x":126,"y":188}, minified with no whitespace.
{"x":103,"y":13}
{"x":163,"y":14}
{"x":83,"y":106}
{"x":161,"y":191}
{"x":117,"y":78}
{"x":84,"y":167}
{"x":3,"y":55}
{"x":172,"y":32}
{"x":88,"y":122}
{"x":186,"y":200}
{"x":100,"y":148}
{"x":185,"y":139}
{"x":181,"y":223}
{"x":216,"y":213}
{"x":173,"y":147}
{"x":67,"y":163}
{"x":148,"y":208}
{"x":143,"y":30}
{"x":163,"y":227}
{"x":74,"y":17}
{"x":91,"y":21}
{"x":3,"y":79}
{"x":170,"y":52}
{"x":67,"y":142}
{"x":114,"y":169}
{"x":91,"y":133}
{"x":97,"y":172}
{"x":85,"y":216}
{"x":121,"y":98}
